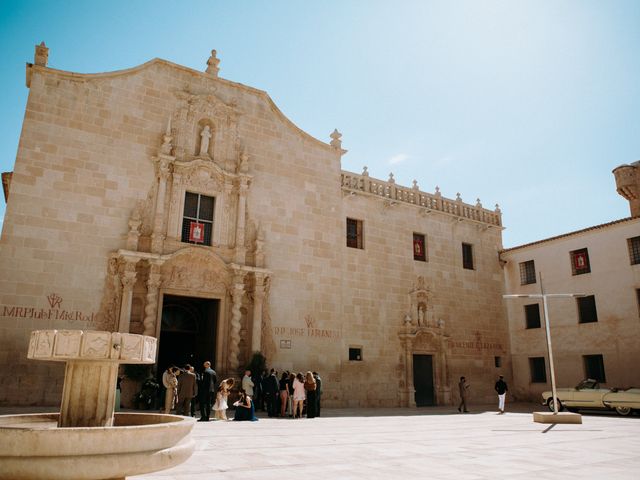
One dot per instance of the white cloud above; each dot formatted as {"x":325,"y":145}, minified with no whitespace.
{"x":397,"y":158}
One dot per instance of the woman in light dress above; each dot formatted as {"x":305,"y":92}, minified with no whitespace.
{"x":220,"y":407}
{"x":299,"y":395}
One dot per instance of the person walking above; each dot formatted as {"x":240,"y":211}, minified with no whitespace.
{"x":186,"y":391}
{"x":501,"y":388}
{"x":463,"y":386}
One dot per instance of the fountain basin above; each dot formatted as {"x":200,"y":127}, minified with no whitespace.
{"x":34,"y":447}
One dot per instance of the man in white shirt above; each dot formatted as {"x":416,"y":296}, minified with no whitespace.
{"x":247,"y":383}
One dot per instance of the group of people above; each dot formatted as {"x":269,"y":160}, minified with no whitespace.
{"x":286,"y":395}
{"x":500,"y":387}
{"x":291,"y":395}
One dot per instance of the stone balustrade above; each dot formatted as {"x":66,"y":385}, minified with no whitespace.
{"x":390,"y":191}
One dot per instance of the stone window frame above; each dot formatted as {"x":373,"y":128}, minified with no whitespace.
{"x":355,"y":353}
{"x":575,"y":256}
{"x":357,"y":240}
{"x":197,"y":218}
{"x":423,"y":238}
{"x":538,"y":369}
{"x":529,"y":316}
{"x":587,"y":310}
{"x":633,"y":244}
{"x":497,"y":361}
{"x":594,"y":367}
{"x":467,"y":256}
{"x":527,"y":272}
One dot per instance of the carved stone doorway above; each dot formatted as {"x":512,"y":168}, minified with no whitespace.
{"x":188,"y":331}
{"x":423,"y":380}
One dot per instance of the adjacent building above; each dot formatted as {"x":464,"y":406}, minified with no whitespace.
{"x":165,"y":201}
{"x":595,"y":336}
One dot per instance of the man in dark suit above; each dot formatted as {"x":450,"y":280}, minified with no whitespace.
{"x":318,"y":380}
{"x":186,"y":391}
{"x":206,"y":389}
{"x":270,"y":392}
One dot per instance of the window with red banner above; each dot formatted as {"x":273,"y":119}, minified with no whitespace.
{"x":197,"y":220}
{"x":419,"y":247}
{"x":580,"y":262}
{"x":196,"y":232}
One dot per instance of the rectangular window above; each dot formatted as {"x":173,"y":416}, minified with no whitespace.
{"x":587,"y":309}
{"x":354,"y":233}
{"x":594,"y":367}
{"x":638,"y":298}
{"x":467,"y":256}
{"x":527,"y":273}
{"x":580,"y":262}
{"x":197,"y":221}
{"x":532,"y":314}
{"x":355,"y":354}
{"x":538,"y":370}
{"x":634,"y":250}
{"x":419,"y":247}
{"x":497,"y":361}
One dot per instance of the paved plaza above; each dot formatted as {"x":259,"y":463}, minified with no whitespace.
{"x":427,"y":443}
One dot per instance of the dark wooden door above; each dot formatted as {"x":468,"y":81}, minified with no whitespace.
{"x":423,"y":380}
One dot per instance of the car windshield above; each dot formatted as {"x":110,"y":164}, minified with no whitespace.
{"x":587,"y":384}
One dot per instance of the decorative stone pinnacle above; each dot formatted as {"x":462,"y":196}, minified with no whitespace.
{"x":438,"y":191}
{"x":391,"y":179}
{"x":458,"y":197}
{"x":498,"y":209}
{"x":415,"y":185}
{"x":335,"y":139}
{"x":212,"y":64}
{"x":365,"y":171}
{"x":478,"y":203}
{"x":41,"y":56}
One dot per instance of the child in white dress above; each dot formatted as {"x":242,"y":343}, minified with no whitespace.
{"x":220,"y":407}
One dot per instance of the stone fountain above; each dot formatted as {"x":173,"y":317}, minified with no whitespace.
{"x":87,"y":440}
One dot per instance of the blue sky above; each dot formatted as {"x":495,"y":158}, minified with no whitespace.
{"x":529,"y":104}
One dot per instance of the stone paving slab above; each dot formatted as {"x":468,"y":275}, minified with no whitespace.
{"x":431,"y":443}
{"x":435,"y":443}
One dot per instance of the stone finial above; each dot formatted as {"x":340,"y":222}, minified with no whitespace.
{"x":335,"y":139}
{"x":167,"y":138}
{"x":391,"y":179}
{"x":41,"y":56}
{"x":365,"y":171}
{"x":498,"y":209}
{"x":458,"y":197}
{"x":478,"y":203}
{"x":415,"y":185}
{"x":438,"y":194}
{"x":212,"y":64}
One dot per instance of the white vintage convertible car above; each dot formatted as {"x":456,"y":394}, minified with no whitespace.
{"x":589,"y":395}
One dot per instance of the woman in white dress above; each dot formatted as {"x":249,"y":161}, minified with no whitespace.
{"x":299,"y":395}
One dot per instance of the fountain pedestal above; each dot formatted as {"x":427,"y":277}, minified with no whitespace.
{"x":87,"y":441}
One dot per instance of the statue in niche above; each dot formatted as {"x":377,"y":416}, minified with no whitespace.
{"x":421,"y":315}
{"x":205,"y":135}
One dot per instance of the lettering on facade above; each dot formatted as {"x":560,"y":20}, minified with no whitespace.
{"x":320,"y":333}
{"x":54,"y":312}
{"x":475,"y":345}
{"x":285,"y":344}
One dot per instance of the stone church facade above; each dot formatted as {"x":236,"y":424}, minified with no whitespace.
{"x":165,"y":201}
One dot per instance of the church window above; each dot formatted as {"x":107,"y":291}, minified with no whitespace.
{"x":197,"y":221}
{"x":355,"y":354}
{"x":587,"y":309}
{"x":580,"y":262}
{"x":497,"y":361}
{"x":538,"y":370}
{"x":467,"y":256}
{"x":634,"y":250}
{"x":594,"y":367}
{"x":419,"y":247}
{"x":354,"y":233}
{"x":527,"y":272}
{"x":532,"y":314}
